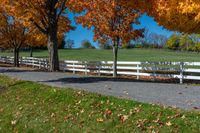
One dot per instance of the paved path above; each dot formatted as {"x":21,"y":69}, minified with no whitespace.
{"x":182,"y":96}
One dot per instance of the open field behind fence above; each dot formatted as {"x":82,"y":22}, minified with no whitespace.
{"x":170,"y":70}
{"x":124,"y":55}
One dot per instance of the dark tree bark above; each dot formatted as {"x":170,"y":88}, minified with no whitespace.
{"x":53,"y":49}
{"x":31,"y":51}
{"x":115,"y":57}
{"x":53,"y":40}
{"x":16,"y":57}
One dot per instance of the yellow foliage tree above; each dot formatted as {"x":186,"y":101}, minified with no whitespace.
{"x":176,"y":15}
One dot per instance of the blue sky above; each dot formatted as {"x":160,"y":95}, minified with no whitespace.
{"x":82,"y":33}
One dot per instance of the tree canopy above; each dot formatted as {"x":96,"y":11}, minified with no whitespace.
{"x":111,"y":20}
{"x":175,"y":15}
{"x":49,"y":16}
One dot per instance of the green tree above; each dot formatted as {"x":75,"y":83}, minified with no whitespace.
{"x":86,"y":44}
{"x":196,"y":40}
{"x":186,"y":43}
{"x":173,"y":42}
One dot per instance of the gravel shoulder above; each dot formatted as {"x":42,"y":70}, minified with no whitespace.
{"x":175,"y":95}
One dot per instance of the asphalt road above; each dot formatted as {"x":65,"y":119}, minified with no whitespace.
{"x":175,"y":95}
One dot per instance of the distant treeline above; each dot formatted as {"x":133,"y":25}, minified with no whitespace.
{"x":176,"y":41}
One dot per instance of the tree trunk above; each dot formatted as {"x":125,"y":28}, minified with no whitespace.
{"x":115,"y":56}
{"x":53,"y":49}
{"x":31,"y":51}
{"x":16,"y":57}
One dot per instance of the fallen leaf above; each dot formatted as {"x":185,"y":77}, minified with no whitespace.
{"x":79,"y":92}
{"x":20,"y":108}
{"x":137,"y":110}
{"x":99,"y":120}
{"x":123,"y":118}
{"x":14,"y":122}
{"x":183,"y":117}
{"x":125,"y":92}
{"x":82,"y":111}
{"x":67,"y":117}
{"x":1,"y":109}
{"x":108,"y":112}
{"x":53,"y":115}
{"x":169,"y":123}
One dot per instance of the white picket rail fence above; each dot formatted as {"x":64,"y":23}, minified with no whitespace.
{"x":176,"y":70}
{"x":28,"y":61}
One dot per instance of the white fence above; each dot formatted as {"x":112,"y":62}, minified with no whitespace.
{"x":170,"y":70}
{"x":175,"y":70}
{"x":28,"y":61}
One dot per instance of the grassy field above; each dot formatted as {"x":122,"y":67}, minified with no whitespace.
{"x":31,"y":107}
{"x":124,"y":55}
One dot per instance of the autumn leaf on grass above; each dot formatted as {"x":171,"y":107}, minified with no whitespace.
{"x":82,"y":111}
{"x":67,"y":117}
{"x":137,"y":109}
{"x":169,"y":124}
{"x":183,"y":117}
{"x":53,"y":115}
{"x":100,"y":120}
{"x":140,"y":124}
{"x":1,"y":110}
{"x":107,"y":113}
{"x":123,"y":118}
{"x":79,"y":93}
{"x":14,"y":122}
{"x":78,"y":102}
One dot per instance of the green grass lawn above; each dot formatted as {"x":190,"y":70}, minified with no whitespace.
{"x":31,"y":107}
{"x":124,"y":55}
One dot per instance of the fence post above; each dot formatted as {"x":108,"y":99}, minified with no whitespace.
{"x":74,"y":68}
{"x":154,"y":71}
{"x":32,"y":63}
{"x":21,"y":60}
{"x":181,"y":72}
{"x":138,"y":72}
{"x":86,"y":67}
{"x":99,"y":69}
{"x":47,"y":64}
{"x":39,"y":63}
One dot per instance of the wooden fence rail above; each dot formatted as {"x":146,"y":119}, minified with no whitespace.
{"x":172,"y":70}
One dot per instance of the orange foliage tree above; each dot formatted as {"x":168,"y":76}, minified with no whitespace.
{"x":111,"y":20}
{"x":48,"y":16}
{"x":13,"y":35}
{"x":176,"y":15}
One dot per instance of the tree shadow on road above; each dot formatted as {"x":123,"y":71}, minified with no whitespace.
{"x":85,"y":80}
